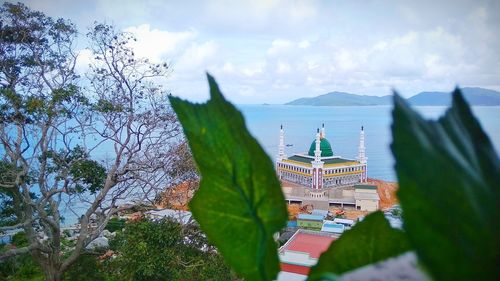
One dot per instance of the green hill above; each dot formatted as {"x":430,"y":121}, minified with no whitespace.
{"x":342,"y":99}
{"x":474,"y":95}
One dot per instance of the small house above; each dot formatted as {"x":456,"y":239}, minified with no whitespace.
{"x":310,"y":221}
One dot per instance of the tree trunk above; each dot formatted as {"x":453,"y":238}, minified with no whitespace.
{"x":52,"y":274}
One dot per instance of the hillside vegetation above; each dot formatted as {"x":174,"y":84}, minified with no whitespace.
{"x":473,"y":95}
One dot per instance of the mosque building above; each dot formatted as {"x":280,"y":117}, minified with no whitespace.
{"x":319,"y":168}
{"x":323,"y":179}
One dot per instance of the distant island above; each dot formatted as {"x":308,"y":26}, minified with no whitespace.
{"x":474,"y":95}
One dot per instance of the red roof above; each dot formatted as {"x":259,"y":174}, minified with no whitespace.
{"x":309,"y":243}
{"x":299,"y":269}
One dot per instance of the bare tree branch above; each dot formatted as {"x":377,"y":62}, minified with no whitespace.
{"x":17,"y":251}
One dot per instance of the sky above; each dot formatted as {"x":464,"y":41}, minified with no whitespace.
{"x":274,"y":51}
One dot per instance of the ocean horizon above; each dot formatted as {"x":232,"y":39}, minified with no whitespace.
{"x":343,"y":124}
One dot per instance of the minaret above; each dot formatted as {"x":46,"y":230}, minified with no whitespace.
{"x":281,"y":147}
{"x":362,"y":150}
{"x":317,"y":165}
{"x":317,"y":152}
{"x":323,"y":131}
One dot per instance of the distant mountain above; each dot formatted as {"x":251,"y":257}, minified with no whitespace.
{"x":342,"y":99}
{"x":475,"y":96}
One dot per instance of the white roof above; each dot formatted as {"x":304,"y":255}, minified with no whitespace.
{"x":330,"y":226}
{"x":319,"y":212}
{"x":182,"y":217}
{"x":366,"y":196}
{"x":338,"y":220}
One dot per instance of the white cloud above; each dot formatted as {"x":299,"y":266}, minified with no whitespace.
{"x":280,"y":46}
{"x":228,"y":68}
{"x":157,"y":44}
{"x":254,"y":69}
{"x":258,"y":15}
{"x":198,"y":55}
{"x":277,"y":50}
{"x":283,"y":67}
{"x":84,"y":58}
{"x":345,"y":59}
{"x":301,"y":11}
{"x":304,"y":44}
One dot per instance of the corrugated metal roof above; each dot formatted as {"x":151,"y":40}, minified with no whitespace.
{"x":310,"y":217}
{"x":333,"y":227}
{"x":339,"y":220}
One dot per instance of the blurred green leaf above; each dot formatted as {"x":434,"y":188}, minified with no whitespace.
{"x":369,"y":241}
{"x":239,"y":204}
{"x":449,"y":176}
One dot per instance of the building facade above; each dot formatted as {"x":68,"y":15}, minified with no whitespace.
{"x":319,"y":168}
{"x":367,"y":198}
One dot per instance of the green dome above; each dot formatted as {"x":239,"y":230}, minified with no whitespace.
{"x":324,"y":145}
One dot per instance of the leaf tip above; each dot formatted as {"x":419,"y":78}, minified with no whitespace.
{"x":398,"y":100}
{"x":458,"y":98}
{"x":215,"y":92}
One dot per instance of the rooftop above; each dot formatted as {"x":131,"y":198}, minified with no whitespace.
{"x":365,"y":186}
{"x":311,"y":243}
{"x":327,"y":161}
{"x":339,"y":220}
{"x":319,"y":212}
{"x":330,"y":226}
{"x":324,"y":146}
{"x":366,"y":196}
{"x":310,"y":217}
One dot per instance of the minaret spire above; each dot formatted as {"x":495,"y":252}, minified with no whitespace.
{"x":323,"y":135}
{"x":281,"y":147}
{"x":317,"y":165}
{"x":317,"y":152}
{"x":362,"y":151}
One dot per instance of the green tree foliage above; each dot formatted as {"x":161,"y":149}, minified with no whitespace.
{"x":51,"y":127}
{"x":165,"y":250}
{"x":87,"y":268}
{"x":8,"y":198}
{"x":24,"y":267}
{"x":21,"y":267}
{"x":39,"y":101}
{"x":19,"y":239}
{"x":86,"y":174}
{"x":239,"y":204}
{"x":115,"y":224}
{"x":449,"y":177}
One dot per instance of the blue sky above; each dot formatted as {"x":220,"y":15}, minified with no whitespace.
{"x":273,"y":51}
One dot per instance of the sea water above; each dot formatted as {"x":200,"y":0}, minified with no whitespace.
{"x":342,"y":125}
